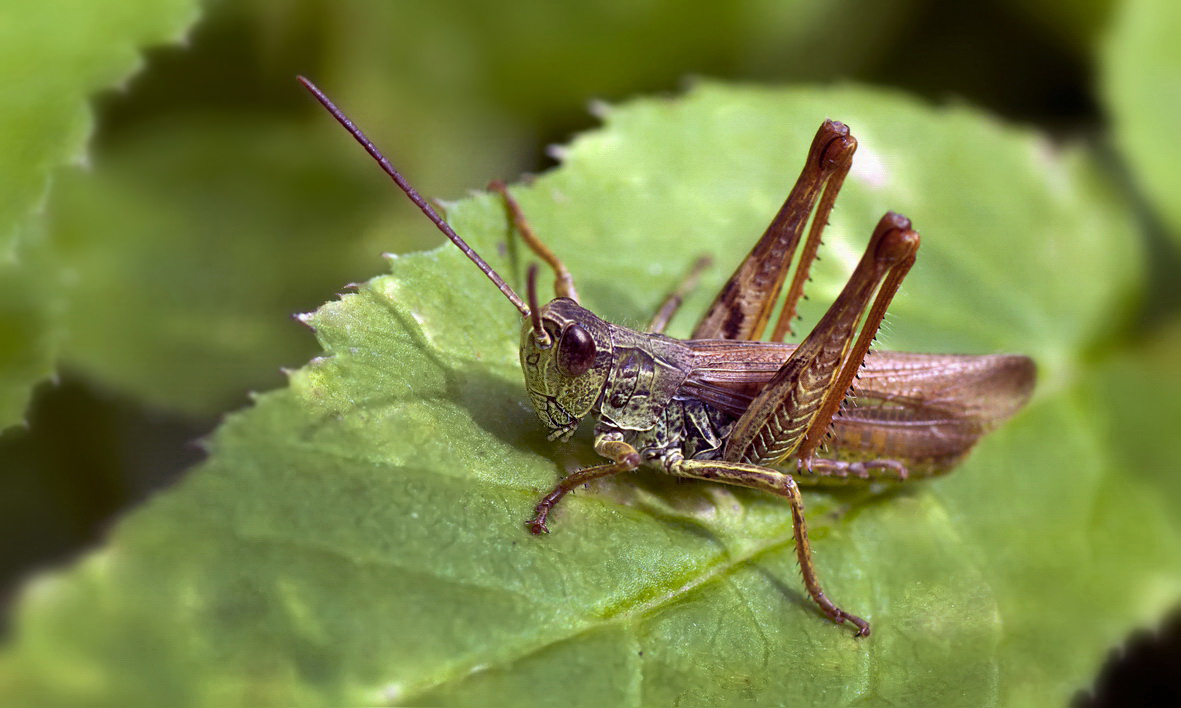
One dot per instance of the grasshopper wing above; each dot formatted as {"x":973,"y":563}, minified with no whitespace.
{"x":926,"y":410}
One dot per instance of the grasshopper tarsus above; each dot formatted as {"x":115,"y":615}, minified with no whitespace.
{"x":537,"y":525}
{"x":781,"y":483}
{"x":862,"y":625}
{"x":725,"y":408}
{"x":839,"y":616}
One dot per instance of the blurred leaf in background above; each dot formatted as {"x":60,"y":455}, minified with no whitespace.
{"x":53,"y":57}
{"x":1076,"y":25}
{"x":459,"y":71}
{"x":30,"y":314}
{"x":1142,"y":85}
{"x":194,"y":306}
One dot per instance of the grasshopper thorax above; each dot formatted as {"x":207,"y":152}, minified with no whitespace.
{"x":565,"y":376}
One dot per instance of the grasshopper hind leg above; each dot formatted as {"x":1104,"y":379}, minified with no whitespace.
{"x":782,"y":484}
{"x":744,"y":305}
{"x":821,"y":470}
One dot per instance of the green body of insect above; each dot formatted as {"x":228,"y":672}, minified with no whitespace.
{"x":627,"y":379}
{"x":725,"y":407}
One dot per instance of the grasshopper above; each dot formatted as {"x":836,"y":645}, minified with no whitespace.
{"x":725,"y":407}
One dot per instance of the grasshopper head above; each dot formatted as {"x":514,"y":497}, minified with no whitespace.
{"x":565,"y":349}
{"x":565,"y":370}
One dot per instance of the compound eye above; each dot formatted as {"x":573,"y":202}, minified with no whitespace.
{"x":576,"y":351}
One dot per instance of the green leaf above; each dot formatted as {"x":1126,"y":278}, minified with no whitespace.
{"x":196,"y":240}
{"x":53,"y":56}
{"x":358,"y":537}
{"x":1141,"y":82}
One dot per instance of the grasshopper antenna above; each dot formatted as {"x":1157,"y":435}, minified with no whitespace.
{"x":543,"y":339}
{"x":415,"y":196}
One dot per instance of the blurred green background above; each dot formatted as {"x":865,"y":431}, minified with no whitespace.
{"x":149,"y":290}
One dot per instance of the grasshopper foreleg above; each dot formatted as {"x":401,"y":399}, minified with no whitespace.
{"x":608,"y":444}
{"x":563,"y":281}
{"x":781,"y":483}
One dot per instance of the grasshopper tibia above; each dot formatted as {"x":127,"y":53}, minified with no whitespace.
{"x":894,"y":255}
{"x":819,"y":470}
{"x":792,"y":413}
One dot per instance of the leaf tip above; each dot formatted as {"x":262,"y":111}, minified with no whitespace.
{"x":305,"y":319}
{"x":599,"y":108}
{"x":558,"y":152}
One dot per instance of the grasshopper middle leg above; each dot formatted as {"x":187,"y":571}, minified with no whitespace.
{"x":781,"y":483}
